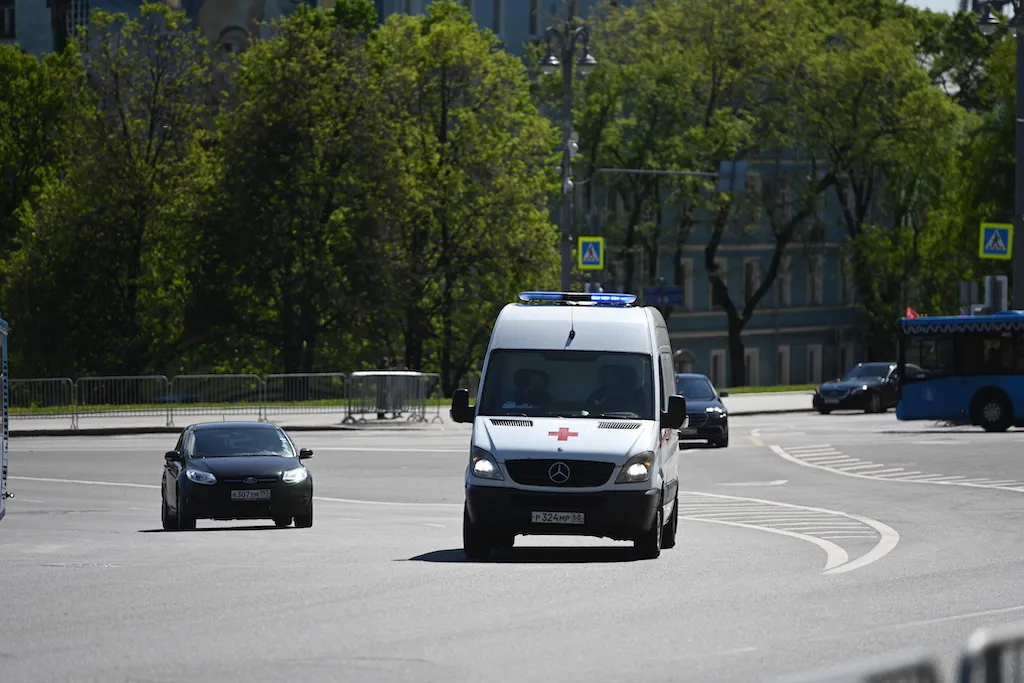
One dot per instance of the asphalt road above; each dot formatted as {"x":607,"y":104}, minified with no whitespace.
{"x":795,"y":553}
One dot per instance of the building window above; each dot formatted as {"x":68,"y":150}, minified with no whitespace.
{"x":407,"y":6}
{"x":716,"y":301}
{"x":814,"y":280}
{"x":751,"y":278}
{"x":751,"y":369}
{"x":718,"y":368}
{"x":534,"y":19}
{"x":686,"y":277}
{"x":499,"y":11}
{"x":814,"y":364}
{"x":77,"y":15}
{"x":684,"y":361}
{"x":782,"y":366}
{"x":784,"y":282}
{"x":572,"y":9}
{"x":8,"y":23}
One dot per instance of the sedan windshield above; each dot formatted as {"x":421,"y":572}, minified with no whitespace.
{"x":696,"y":388}
{"x":870,"y":370}
{"x":233,"y":442}
{"x":589,"y":384}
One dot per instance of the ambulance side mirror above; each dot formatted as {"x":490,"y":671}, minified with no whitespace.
{"x":461,"y":412}
{"x":674,"y":417}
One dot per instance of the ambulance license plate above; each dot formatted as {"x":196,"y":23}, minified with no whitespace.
{"x":558,"y":518}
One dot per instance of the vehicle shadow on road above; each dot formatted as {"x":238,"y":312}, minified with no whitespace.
{"x":546,"y":555}
{"x":695,"y":445}
{"x":258,"y":527}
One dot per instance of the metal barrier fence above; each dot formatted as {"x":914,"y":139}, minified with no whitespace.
{"x":413,"y":397}
{"x":992,"y":655}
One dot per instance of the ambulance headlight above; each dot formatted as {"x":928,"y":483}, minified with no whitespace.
{"x":483,"y":465}
{"x":637,"y":469}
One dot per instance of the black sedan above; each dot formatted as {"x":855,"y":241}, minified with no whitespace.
{"x":236,"y":470}
{"x":871,"y":387}
{"x":708,"y":417}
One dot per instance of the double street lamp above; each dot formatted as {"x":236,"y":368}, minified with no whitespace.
{"x":562,"y":50}
{"x":988,"y":23}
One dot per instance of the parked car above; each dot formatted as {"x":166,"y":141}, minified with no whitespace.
{"x":708,"y":416}
{"x":871,"y":387}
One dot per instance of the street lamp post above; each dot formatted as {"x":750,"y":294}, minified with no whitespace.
{"x":564,"y":42}
{"x":989,"y":24}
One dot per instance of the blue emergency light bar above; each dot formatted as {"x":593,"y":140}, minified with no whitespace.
{"x":566,"y":297}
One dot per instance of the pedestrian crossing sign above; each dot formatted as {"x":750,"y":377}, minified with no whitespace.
{"x":996,"y":241}
{"x":590,"y":253}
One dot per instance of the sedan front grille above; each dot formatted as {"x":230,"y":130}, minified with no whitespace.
{"x":834,"y":393}
{"x":581,"y":473}
{"x":259,"y":480}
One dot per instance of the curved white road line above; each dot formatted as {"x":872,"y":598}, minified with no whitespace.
{"x":779,"y":451}
{"x":835,"y":556}
{"x":886,"y":543}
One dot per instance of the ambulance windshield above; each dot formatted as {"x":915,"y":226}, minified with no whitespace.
{"x":568,"y":384}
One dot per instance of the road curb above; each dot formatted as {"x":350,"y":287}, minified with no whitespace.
{"x":138,"y":431}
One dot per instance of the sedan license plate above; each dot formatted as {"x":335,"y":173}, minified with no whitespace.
{"x":251,"y":494}
{"x":688,"y":431}
{"x":558,"y":518}
{"x":831,"y":400}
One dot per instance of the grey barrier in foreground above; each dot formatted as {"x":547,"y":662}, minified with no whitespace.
{"x":355,"y":398}
{"x":992,"y":655}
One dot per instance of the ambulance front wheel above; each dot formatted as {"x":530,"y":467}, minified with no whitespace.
{"x":476,"y":543}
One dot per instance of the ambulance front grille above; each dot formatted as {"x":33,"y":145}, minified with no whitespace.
{"x":512,"y":423}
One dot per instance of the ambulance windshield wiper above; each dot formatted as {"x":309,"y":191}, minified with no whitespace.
{"x":621,"y":415}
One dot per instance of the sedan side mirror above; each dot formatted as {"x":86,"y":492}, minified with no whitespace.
{"x":172,"y":456}
{"x":461,"y":412}
{"x":723,"y":394}
{"x":674,"y":417}
{"x":305,"y":453}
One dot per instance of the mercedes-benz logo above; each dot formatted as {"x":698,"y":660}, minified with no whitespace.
{"x":249,"y":480}
{"x":559,"y":473}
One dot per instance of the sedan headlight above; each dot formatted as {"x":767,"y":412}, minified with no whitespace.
{"x":200,"y":477}
{"x":715,"y":410}
{"x":483,"y":465}
{"x":295,"y":476}
{"x":637,"y":469}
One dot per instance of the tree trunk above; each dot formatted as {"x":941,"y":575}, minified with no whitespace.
{"x":737,"y":361}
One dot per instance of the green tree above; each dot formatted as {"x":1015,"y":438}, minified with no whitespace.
{"x":356,"y":15}
{"x":472,"y":167}
{"x":706,"y":83}
{"x":889,"y":137}
{"x":288,"y":227}
{"x":40,"y":104}
{"x":97,"y":286}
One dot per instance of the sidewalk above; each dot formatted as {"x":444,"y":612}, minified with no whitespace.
{"x":743,"y":404}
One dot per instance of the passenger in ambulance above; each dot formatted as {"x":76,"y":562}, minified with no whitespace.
{"x":531,"y":387}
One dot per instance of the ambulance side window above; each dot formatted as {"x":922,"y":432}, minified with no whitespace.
{"x":666,"y":372}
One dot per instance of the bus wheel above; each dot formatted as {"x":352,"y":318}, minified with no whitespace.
{"x":993,"y":412}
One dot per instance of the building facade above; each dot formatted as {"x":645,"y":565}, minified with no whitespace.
{"x":803,"y":331}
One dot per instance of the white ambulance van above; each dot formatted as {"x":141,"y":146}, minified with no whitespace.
{"x":574,"y":426}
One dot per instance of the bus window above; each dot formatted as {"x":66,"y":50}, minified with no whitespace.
{"x":934,"y":355}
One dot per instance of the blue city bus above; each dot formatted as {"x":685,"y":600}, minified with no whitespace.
{"x":967,"y":369}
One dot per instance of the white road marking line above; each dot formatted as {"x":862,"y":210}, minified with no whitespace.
{"x":889,"y":471}
{"x":86,"y":482}
{"x":888,"y":538}
{"x":908,"y":477}
{"x":834,"y":554}
{"x":776,"y":482}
